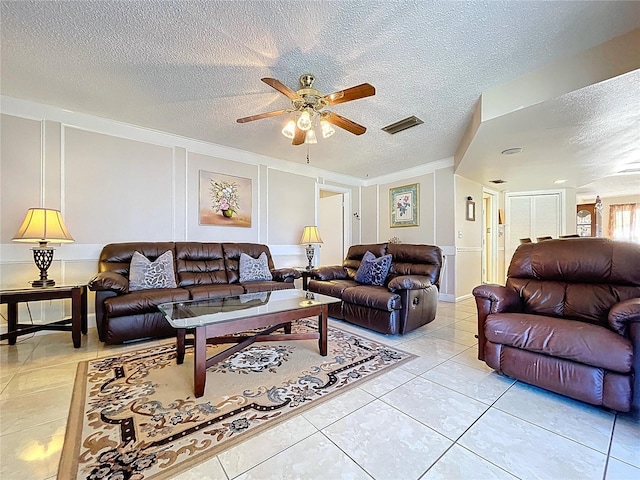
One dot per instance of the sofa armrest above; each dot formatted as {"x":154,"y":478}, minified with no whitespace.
{"x":500,"y":298}
{"x":335,"y":272}
{"x":492,"y":298}
{"x":286,"y":275}
{"x":624,"y":313}
{"x":409,"y":282}
{"x":109,"y":281}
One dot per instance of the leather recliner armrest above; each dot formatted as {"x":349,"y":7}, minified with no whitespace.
{"x":502,"y":299}
{"x":624,"y":313}
{"x":335,"y":272}
{"x":109,"y":281}
{"x":409,"y":282}
{"x":492,"y":298}
{"x":286,"y":275}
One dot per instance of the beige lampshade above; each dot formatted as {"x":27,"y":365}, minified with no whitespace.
{"x":42,"y":225}
{"x":310,"y":235}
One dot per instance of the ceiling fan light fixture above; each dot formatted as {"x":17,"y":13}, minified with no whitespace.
{"x":327,"y":129}
{"x":310,"y":137}
{"x":289,"y":129}
{"x":304,"y":121}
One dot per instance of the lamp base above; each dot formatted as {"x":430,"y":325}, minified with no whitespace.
{"x":310,"y":251}
{"x":43,"y":256}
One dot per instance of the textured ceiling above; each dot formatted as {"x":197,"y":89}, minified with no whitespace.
{"x":193,"y":68}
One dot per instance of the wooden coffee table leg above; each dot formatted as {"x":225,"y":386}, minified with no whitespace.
{"x":322,"y":330}
{"x":199,"y":360}
{"x":180,"y":334}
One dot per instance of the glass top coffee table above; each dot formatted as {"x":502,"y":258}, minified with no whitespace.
{"x":219,"y":321}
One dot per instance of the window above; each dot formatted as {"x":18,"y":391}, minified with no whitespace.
{"x":624,"y":222}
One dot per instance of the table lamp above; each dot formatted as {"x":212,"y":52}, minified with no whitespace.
{"x":310,"y":236}
{"x":43,"y":225}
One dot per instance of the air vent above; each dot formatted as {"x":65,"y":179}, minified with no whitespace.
{"x":498,"y":181}
{"x":409,"y":122}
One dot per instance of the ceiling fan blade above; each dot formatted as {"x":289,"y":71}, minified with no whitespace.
{"x":299,"y":137}
{"x":262,"y":115}
{"x":342,"y":122}
{"x":353,"y":93}
{"x":282,"y":88}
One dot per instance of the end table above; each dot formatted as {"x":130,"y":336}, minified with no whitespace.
{"x":78,"y":320}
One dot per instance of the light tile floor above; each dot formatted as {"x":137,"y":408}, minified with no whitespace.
{"x":444,"y":415}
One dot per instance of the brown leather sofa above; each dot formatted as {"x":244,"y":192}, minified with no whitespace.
{"x":407,"y":300}
{"x":203,"y":271}
{"x":568,"y":320}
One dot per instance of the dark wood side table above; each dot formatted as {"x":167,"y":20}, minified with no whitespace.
{"x":78,"y":320}
{"x":306,"y":275}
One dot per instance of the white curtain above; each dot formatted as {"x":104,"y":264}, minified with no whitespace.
{"x":624,"y":222}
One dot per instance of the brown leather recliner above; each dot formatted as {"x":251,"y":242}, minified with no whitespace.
{"x":407,"y":300}
{"x":568,"y":320}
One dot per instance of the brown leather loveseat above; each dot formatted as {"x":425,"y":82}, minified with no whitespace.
{"x":568,"y":320}
{"x":407,"y":299}
{"x":202,"y":271}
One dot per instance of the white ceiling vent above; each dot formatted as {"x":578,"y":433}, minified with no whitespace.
{"x":409,"y":122}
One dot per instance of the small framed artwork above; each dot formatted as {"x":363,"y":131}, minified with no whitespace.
{"x":471,"y":210}
{"x":224,"y":200}
{"x":404,"y":203}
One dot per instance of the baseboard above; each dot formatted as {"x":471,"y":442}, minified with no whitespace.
{"x":464,"y":297}
{"x":447,"y":297}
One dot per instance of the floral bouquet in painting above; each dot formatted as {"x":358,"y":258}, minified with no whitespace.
{"x":403,"y":204}
{"x":224,"y":197}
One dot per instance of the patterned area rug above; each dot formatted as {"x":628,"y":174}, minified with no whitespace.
{"x":133,"y":415}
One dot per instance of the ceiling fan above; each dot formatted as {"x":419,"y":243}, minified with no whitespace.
{"x":308,"y":105}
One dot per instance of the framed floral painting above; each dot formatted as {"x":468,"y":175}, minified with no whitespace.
{"x":224,"y":200}
{"x":404,"y":205}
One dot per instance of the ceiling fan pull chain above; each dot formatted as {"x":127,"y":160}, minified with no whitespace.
{"x":307,"y":154}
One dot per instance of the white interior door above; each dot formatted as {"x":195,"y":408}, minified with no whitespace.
{"x":331,"y":227}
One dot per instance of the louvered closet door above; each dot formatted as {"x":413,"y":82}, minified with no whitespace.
{"x":531,"y":216}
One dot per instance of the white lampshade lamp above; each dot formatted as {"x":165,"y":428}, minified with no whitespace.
{"x":43,"y":225}
{"x":310,"y":236}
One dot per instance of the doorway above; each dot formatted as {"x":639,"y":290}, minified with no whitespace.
{"x":333,"y":203}
{"x":489,"y":236}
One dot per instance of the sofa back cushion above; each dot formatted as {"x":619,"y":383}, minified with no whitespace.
{"x":355,"y":253}
{"x":200,"y":264}
{"x":232,"y":253}
{"x":575,"y":278}
{"x":416,"y":259}
{"x":116,"y":257}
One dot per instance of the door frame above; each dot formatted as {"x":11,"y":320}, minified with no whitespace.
{"x":346,"y":209}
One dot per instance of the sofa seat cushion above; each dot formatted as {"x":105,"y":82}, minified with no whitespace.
{"x":333,"y":288}
{"x":143,"y":301}
{"x":265,"y":286}
{"x":371,"y":296}
{"x":557,"y":337}
{"x":214,"y":291}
